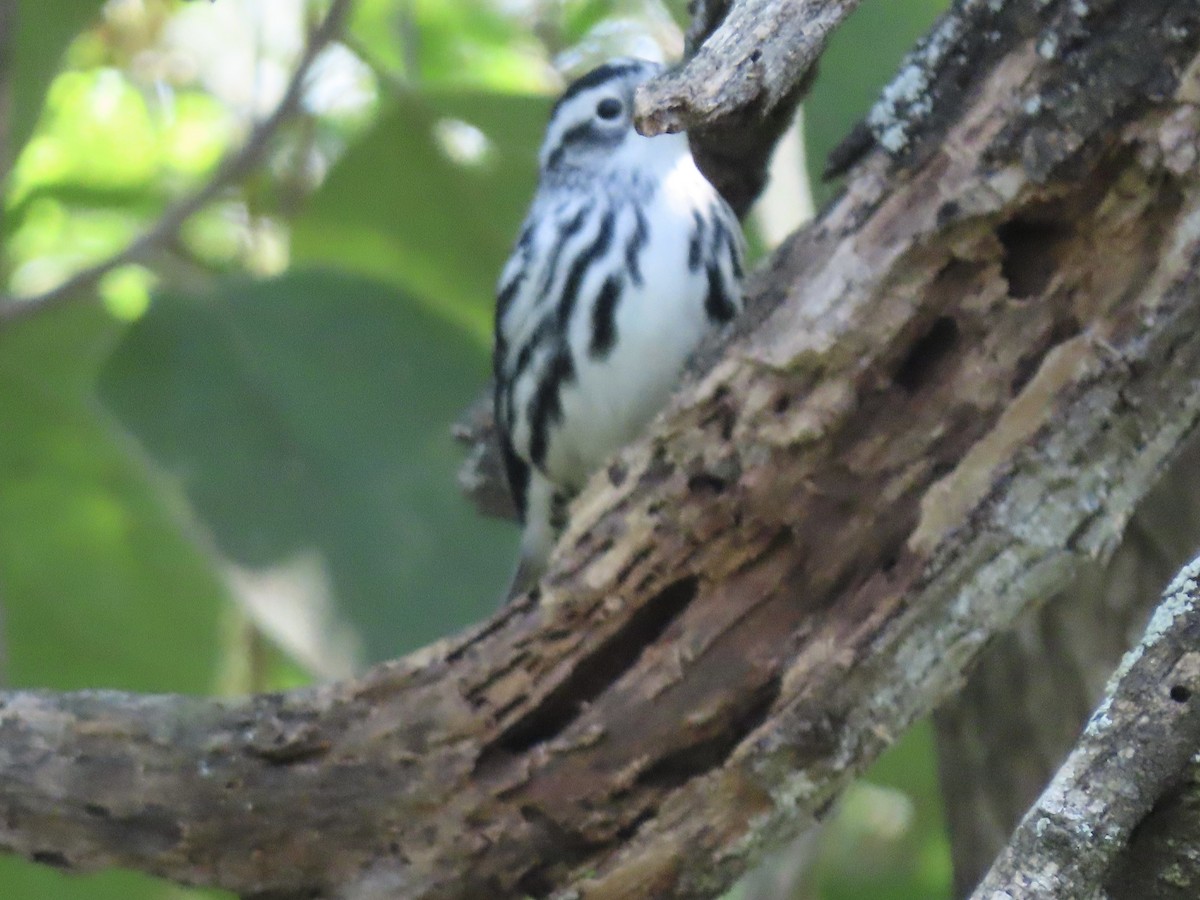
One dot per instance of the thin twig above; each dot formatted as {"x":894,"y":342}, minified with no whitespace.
{"x":235,"y":166}
{"x":1137,"y":743}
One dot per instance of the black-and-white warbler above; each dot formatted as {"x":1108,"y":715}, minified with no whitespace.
{"x":628,"y":256}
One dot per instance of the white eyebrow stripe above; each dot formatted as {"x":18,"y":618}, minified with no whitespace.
{"x":577,"y":110}
{"x":578,"y":102}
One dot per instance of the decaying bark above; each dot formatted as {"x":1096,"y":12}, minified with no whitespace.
{"x":958,"y":384}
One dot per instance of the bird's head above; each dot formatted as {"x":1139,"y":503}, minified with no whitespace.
{"x":591,"y":126}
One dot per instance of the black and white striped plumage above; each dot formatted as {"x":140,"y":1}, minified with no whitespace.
{"x":628,"y":256}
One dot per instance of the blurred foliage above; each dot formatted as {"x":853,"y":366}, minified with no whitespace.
{"x":41,"y":37}
{"x":308,"y":417}
{"x":862,"y":55}
{"x":400,"y":207}
{"x":887,"y":841}
{"x":235,"y":472}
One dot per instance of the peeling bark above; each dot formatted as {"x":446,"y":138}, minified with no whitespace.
{"x":955,"y":388}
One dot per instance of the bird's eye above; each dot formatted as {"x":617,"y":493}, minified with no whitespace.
{"x":608,"y":108}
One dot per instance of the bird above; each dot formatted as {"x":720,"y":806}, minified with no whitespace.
{"x":626,"y":259}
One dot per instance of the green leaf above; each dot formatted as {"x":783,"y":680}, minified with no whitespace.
{"x":43,"y":33}
{"x":99,"y":587}
{"x":398,"y":207}
{"x":308,"y":418}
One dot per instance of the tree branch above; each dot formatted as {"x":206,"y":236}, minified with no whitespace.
{"x":234,"y":167}
{"x":1001,"y":740}
{"x":749,"y":65}
{"x":1136,"y":744}
{"x":1162,"y":860}
{"x":958,"y":385}
{"x":752,"y":55}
